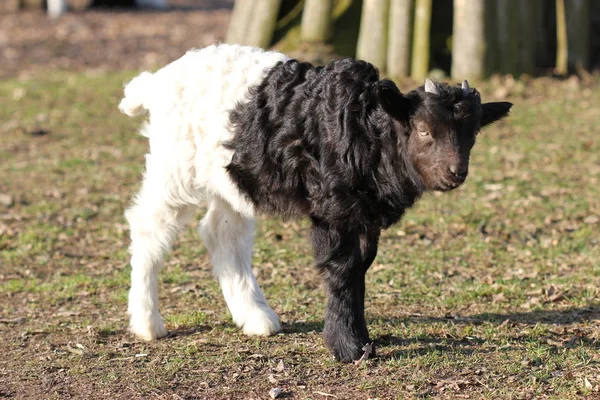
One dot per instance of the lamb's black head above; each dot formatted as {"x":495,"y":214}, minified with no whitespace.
{"x":437,"y":124}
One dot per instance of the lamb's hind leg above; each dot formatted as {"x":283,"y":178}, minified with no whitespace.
{"x":154,"y":224}
{"x":228,"y":236}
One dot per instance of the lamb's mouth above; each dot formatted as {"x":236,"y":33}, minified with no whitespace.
{"x":448,"y":185}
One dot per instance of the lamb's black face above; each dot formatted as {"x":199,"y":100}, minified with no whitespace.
{"x":440,"y":123}
{"x":442,"y":132}
{"x":439,"y":148}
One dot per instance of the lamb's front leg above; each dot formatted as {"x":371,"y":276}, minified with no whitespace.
{"x":338,"y":256}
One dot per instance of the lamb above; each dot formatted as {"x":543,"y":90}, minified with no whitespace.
{"x":253,"y":132}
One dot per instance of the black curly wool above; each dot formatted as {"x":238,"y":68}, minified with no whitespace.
{"x":348,"y":150}
{"x":315,"y":141}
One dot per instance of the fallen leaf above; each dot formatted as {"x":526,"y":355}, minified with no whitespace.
{"x":7,"y":200}
{"x":280,"y":366}
{"x":554,"y":342}
{"x":450,"y":383}
{"x":498,"y":298}
{"x":555,"y":297}
{"x":553,"y":294}
{"x":532,"y":302}
{"x":275,"y":392}
{"x":74,"y":350}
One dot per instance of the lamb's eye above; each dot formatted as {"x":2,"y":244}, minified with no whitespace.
{"x":424,"y":133}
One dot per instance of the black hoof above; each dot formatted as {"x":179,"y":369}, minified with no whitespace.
{"x":352,"y":351}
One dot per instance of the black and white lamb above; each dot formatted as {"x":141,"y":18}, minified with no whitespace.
{"x":252,"y":132}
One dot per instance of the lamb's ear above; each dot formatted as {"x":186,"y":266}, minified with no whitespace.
{"x":393,"y":102}
{"x":492,"y":112}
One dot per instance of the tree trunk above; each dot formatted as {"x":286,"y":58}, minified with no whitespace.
{"x":561,"y":38}
{"x":527,"y":55}
{"x":420,"y":56}
{"x":343,"y":40}
{"x":541,"y":34}
{"x":468,"y":43}
{"x":372,"y":36}
{"x":316,"y":20}
{"x":239,"y":21}
{"x":34,"y":4}
{"x":578,"y":33}
{"x":56,"y":8}
{"x":491,"y":47}
{"x":508,"y":36}
{"x":253,"y":22}
{"x":399,"y":35}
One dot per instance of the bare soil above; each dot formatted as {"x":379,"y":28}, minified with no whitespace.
{"x":108,"y":39}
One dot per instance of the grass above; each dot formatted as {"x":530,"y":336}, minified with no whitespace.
{"x":489,"y":291}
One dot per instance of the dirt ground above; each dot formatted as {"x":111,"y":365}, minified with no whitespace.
{"x":108,"y":39}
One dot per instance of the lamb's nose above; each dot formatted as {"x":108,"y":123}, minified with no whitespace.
{"x":458,"y":170}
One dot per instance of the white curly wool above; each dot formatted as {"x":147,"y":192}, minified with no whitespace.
{"x":188,"y":102}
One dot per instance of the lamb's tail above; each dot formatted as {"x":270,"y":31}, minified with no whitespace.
{"x":137,"y":93}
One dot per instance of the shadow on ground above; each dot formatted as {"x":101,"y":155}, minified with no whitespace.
{"x":568,"y":338}
{"x":471,"y":345}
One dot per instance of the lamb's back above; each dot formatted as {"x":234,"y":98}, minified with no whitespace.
{"x":207,"y":83}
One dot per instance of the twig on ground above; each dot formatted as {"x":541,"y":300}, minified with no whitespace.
{"x":368,"y":349}
{"x":325,"y":394}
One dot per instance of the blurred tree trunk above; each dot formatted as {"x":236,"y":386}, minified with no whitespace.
{"x":561,"y":38}
{"x":239,"y":21}
{"x":56,"y":8}
{"x":507,"y":15}
{"x":491,"y":51}
{"x":253,"y":22}
{"x":399,"y":35}
{"x":373,"y":32}
{"x":32,"y":3}
{"x":316,"y":20}
{"x":541,"y":34}
{"x":10,"y":5}
{"x":468,"y":42}
{"x":420,"y":56}
{"x":112,"y":3}
{"x":343,"y":39}
{"x":527,"y":54}
{"x":578,"y":33}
